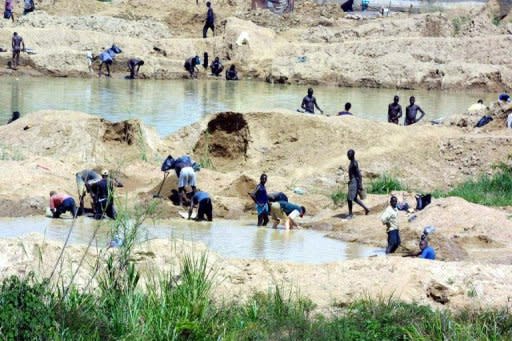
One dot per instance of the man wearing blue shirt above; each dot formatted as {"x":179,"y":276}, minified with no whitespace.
{"x":287,"y":212}
{"x":427,"y":252}
{"x":204,"y":203}
{"x":260,"y":198}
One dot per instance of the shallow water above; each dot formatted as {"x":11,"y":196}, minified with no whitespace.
{"x":169,"y":105}
{"x":231,"y":239}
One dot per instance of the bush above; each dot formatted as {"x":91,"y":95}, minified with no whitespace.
{"x":385,"y":184}
{"x":25,"y":309}
{"x":489,"y":190}
{"x":338,"y":196}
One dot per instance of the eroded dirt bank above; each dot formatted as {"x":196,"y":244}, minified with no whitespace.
{"x":456,"y":284}
{"x":453,"y":49}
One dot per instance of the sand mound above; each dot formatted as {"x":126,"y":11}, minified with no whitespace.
{"x":225,"y":141}
{"x":78,"y":137}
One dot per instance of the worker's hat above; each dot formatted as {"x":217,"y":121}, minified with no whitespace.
{"x":104,"y":172}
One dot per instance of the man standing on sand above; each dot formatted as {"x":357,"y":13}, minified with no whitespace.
{"x":210,"y":20}
{"x":355,"y":184}
{"x":394,"y":111}
{"x":411,"y":112}
{"x":18,"y":45}
{"x":309,"y":103}
{"x":134,"y":65}
{"x":390,"y":219}
{"x":9,"y":8}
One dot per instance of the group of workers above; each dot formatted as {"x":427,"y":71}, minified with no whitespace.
{"x":276,"y":205}
{"x":185,"y":169}
{"x":309,"y":103}
{"x":28,"y":6}
{"x":216,"y":67}
{"x":99,"y":186}
{"x":389,"y":217}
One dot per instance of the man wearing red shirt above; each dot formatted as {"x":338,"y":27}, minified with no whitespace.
{"x":61,"y":203}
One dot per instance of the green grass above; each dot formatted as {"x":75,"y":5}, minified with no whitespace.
{"x":489,"y":190}
{"x":182,"y":308}
{"x":458,"y":23}
{"x":339,"y":196}
{"x":385,"y":184}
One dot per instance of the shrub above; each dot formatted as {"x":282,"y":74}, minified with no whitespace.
{"x":385,"y":184}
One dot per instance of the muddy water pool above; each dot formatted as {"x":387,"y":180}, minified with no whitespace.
{"x":169,"y":105}
{"x":231,"y":239}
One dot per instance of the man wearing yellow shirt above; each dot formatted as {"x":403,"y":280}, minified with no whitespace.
{"x":390,"y":219}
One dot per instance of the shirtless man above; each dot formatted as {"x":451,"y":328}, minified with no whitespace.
{"x":17,"y":43}
{"x":309,"y":103}
{"x":394,"y":111}
{"x":411,"y":111}
{"x":355,"y":185}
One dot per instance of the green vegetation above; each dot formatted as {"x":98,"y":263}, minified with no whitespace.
{"x":339,"y":196}
{"x":496,"y":20}
{"x":490,"y":190}
{"x":385,"y":184}
{"x":458,"y":23}
{"x":205,"y":160}
{"x":10,"y":154}
{"x":181,"y":308}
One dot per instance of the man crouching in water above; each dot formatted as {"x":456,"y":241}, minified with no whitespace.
{"x":61,"y":203}
{"x":287,"y":212}
{"x":204,"y":206}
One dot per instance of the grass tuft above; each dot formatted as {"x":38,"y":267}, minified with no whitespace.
{"x":385,"y":184}
{"x":339,"y":196}
{"x":489,"y":190}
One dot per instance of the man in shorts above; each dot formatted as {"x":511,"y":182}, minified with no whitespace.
{"x":18,"y":45}
{"x":287,"y":212}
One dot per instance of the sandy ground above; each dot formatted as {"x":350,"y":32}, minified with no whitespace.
{"x":452,"y":49}
{"x":473,"y":242}
{"x":453,"y":285}
{"x":456,"y":49}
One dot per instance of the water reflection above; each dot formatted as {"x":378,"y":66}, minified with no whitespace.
{"x":172,"y":104}
{"x":232,"y":239}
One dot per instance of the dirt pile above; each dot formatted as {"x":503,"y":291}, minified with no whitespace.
{"x":224,"y":142}
{"x":77,"y":137}
{"x":46,"y":148}
{"x":112,"y":26}
{"x":314,"y":148}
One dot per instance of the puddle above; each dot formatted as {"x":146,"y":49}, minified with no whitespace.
{"x":231,"y":239}
{"x":169,"y":105}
